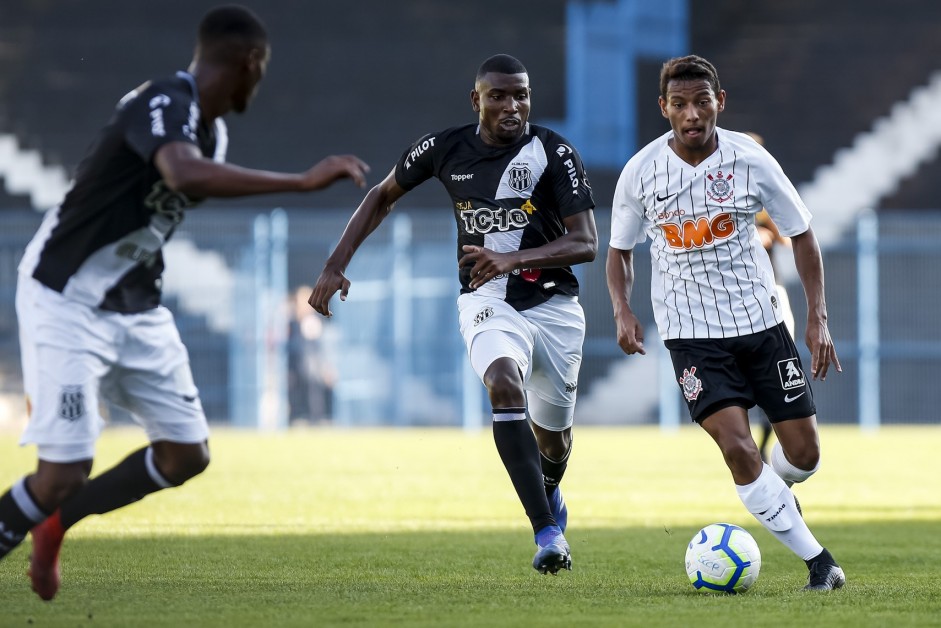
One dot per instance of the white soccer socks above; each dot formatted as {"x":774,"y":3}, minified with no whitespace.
{"x":771,"y":502}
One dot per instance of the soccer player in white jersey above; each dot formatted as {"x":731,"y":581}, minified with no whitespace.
{"x":88,"y":293}
{"x":695,"y":192}
{"x":523,"y":209}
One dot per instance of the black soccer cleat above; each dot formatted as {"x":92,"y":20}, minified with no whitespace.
{"x":825,"y":574}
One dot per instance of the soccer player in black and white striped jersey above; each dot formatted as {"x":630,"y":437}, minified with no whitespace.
{"x":523,"y":209}
{"x":89,"y":287}
{"x":695,"y":192}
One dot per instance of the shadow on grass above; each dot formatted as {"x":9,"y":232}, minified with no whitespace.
{"x":627,"y":576}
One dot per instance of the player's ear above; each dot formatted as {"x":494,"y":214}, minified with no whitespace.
{"x":663,"y":107}
{"x":475,"y":100}
{"x":254,"y":58}
{"x":721,"y":101}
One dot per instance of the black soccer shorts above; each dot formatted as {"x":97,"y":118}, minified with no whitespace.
{"x":760,"y":369}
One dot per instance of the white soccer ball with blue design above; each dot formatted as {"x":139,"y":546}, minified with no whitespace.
{"x":723,"y":558}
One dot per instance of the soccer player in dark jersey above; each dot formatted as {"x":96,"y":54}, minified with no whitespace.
{"x":88,"y":295}
{"x":524,"y":215}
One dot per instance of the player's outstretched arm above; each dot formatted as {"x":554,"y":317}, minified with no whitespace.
{"x":370,"y":213}
{"x":619,"y":269}
{"x":809,"y":262}
{"x":185,"y":170}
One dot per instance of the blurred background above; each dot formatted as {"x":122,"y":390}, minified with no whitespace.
{"x":845,"y":93}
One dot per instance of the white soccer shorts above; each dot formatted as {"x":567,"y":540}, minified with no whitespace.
{"x":545,"y":341}
{"x":72,"y":353}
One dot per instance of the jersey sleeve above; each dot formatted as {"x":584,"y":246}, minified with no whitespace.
{"x":627,"y":212}
{"x":569,"y":179}
{"x":157,"y":117}
{"x":780,"y":198}
{"x":417,"y":163}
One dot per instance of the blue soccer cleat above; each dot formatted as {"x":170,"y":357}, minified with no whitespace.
{"x":553,"y":554}
{"x":558,"y":508}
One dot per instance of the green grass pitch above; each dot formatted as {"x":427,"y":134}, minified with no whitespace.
{"x":414,"y":527}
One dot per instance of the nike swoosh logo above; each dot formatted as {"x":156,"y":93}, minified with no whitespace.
{"x":661,"y":199}
{"x":789,"y":399}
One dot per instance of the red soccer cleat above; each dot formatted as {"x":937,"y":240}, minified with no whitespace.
{"x":44,"y":561}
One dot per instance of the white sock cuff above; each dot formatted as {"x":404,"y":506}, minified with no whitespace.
{"x":510,"y":414}
{"x":785,"y":470}
{"x":763,"y":492}
{"x":153,"y":471}
{"x":25,"y":501}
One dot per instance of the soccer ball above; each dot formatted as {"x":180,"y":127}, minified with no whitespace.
{"x":722,"y":558}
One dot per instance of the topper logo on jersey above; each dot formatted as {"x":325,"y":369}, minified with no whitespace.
{"x":417,"y":151}
{"x":791,"y":375}
{"x":485,"y":219}
{"x":720,"y":187}
{"x":695,"y":234}
{"x":520,"y":178}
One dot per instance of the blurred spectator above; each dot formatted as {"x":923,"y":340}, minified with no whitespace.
{"x":311,"y":371}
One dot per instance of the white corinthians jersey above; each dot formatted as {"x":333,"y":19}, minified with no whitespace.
{"x":711,"y":277}
{"x":505,"y":198}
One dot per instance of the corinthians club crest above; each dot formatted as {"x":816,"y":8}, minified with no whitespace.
{"x":719,"y":186}
{"x":690,"y":384}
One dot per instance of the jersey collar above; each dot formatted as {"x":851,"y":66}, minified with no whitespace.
{"x":186,"y":76}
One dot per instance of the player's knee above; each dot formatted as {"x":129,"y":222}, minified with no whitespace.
{"x":807,"y":460}
{"x":505,"y":388}
{"x":742,"y":457}
{"x":555,"y":449}
{"x":183,"y":463}
{"x":52,"y":491}
{"x":194,"y":464}
{"x":798,"y":465}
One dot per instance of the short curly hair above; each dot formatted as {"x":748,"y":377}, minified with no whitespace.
{"x":688,"y":68}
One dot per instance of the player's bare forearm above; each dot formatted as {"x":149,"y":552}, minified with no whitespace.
{"x":619,"y":273}
{"x":377,"y":204}
{"x":369,"y":215}
{"x":185,"y":170}
{"x":203,"y":178}
{"x":619,"y":270}
{"x":809,"y":262}
{"x":578,"y":245}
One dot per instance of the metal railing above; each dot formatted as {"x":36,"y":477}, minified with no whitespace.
{"x":395,"y":352}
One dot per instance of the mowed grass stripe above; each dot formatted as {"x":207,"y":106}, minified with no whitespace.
{"x":329,"y":527}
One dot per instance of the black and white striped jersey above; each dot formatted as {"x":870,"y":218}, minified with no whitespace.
{"x":102,"y":245}
{"x":711,"y":277}
{"x":505,"y":198}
